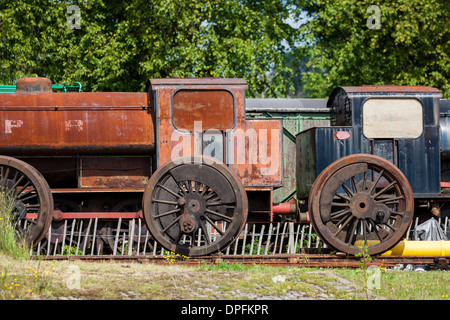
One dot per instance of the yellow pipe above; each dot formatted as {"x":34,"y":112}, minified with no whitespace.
{"x":420,"y":248}
{"x":415,"y":248}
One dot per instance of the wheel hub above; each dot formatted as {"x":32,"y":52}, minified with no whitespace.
{"x":363,"y":206}
{"x":193,"y":207}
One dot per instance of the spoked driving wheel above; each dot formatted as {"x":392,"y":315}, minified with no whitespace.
{"x":28,"y":197}
{"x":193,"y":207}
{"x":361,"y":199}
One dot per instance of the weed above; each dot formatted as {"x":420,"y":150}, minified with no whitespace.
{"x":363,"y":263}
{"x":10,"y":242}
{"x":68,"y":250}
{"x":172,"y":257}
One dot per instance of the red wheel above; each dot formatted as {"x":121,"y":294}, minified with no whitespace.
{"x":361,"y":199}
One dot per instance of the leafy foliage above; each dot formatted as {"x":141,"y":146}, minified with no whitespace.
{"x":120,"y":44}
{"x":410,"y":47}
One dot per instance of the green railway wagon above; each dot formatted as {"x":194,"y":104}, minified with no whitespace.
{"x":298,"y":115}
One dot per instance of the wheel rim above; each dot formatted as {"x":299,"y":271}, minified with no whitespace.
{"x":31,"y":201}
{"x":361,"y":200}
{"x":194,"y":207}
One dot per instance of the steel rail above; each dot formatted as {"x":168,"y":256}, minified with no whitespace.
{"x":279,"y":260}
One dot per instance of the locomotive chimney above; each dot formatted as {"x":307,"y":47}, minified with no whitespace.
{"x":33,"y":85}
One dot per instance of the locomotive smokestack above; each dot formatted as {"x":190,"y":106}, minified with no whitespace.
{"x":34,"y":85}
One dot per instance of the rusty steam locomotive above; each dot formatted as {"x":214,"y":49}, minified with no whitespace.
{"x":185,"y":156}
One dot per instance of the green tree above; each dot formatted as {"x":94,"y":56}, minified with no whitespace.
{"x":345,"y":47}
{"x":120,"y":44}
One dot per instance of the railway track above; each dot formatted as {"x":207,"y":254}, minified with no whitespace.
{"x":278,"y":260}
{"x":278,"y":244}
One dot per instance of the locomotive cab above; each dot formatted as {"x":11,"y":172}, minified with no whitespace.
{"x":362,"y":174}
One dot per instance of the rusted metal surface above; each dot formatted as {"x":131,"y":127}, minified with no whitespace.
{"x":195,"y":207}
{"x":58,"y":215}
{"x":252,"y":147}
{"x":299,"y":260}
{"x":75,"y":123}
{"x":213,"y":108}
{"x":207,"y":82}
{"x":285,"y":208}
{"x":33,"y":85}
{"x":255,"y":152}
{"x":114,"y":172}
{"x":361,"y":198}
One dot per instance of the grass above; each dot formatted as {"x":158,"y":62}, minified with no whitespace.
{"x":405,"y":285}
{"x":21,"y":278}
{"x":10,"y":243}
{"x":51,"y":280}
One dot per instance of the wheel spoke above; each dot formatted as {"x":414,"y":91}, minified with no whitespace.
{"x":17,"y":182}
{"x":347,"y":190}
{"x":354,"y":185}
{"x":23,"y":188}
{"x":364,"y":181}
{"x":214,"y":225}
{"x":210,"y":196}
{"x":351,"y":233}
{"x":29,"y":197}
{"x":395,"y":199}
{"x":225,"y":204}
{"x":205,"y":232}
{"x":168,"y":190}
{"x":388,"y":187}
{"x":365,"y":230}
{"x":339,"y":204}
{"x":397,"y":213}
{"x":165,"y":202}
{"x":344,"y":224}
{"x":343,"y":197}
{"x":339,"y":214}
{"x":167,"y":213}
{"x":376,"y":231}
{"x":376,"y":181}
{"x":204,"y":189}
{"x":171,"y":224}
{"x":224,"y":217}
